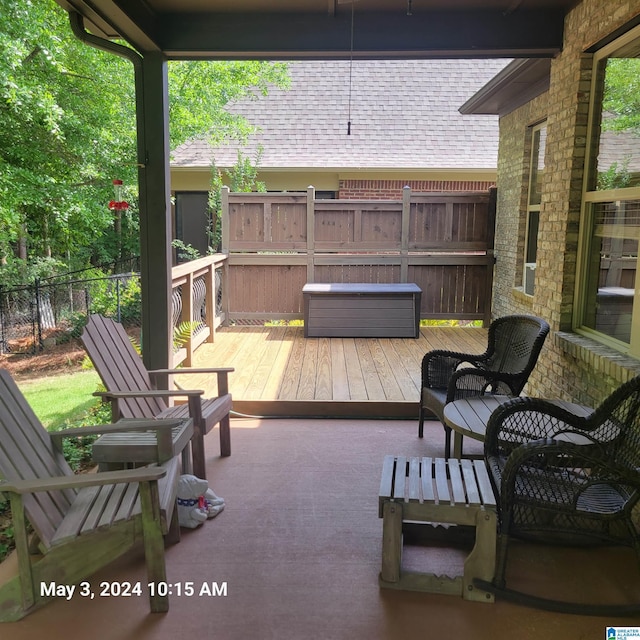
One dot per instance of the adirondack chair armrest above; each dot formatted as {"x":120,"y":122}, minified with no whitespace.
{"x":190,"y":370}
{"x":149,"y":393}
{"x":222,"y":375}
{"x":125,"y":426}
{"x":142,"y":474}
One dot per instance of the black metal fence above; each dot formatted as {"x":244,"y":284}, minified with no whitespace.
{"x":40,"y":313}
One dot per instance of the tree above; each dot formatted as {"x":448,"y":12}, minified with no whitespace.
{"x":241,"y":178}
{"x":67,"y":127}
{"x":621,"y":100}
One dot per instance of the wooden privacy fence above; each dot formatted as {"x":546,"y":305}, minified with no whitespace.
{"x":277,"y":242}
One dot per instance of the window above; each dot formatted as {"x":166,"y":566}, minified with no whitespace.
{"x":608,"y":300}
{"x":536,"y":171}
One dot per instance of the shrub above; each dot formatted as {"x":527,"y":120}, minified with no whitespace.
{"x":123,"y":295}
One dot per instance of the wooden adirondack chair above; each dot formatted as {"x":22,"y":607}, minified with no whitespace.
{"x":133,"y":395}
{"x":81,"y":522}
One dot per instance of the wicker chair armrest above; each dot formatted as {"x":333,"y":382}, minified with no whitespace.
{"x":525,"y":419}
{"x":438,"y":366}
{"x":553,"y":463}
{"x":471,"y":381}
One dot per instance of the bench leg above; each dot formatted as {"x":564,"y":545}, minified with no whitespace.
{"x":225,"y":436}
{"x":481,"y":562}
{"x":391,"y":541}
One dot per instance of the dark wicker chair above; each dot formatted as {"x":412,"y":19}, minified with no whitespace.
{"x":514,"y":343}
{"x":564,"y":479}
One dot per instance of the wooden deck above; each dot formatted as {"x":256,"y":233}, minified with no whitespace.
{"x":280,"y":372}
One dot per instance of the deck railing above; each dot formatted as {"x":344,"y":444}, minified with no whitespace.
{"x":277,"y":242}
{"x":196,"y":301}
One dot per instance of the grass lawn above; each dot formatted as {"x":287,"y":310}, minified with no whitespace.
{"x":58,"y":398}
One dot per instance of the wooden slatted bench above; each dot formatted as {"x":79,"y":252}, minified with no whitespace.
{"x":362,"y":310}
{"x":435,"y":490}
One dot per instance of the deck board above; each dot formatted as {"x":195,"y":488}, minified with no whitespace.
{"x":408,"y":388}
{"x":277,"y":369}
{"x":372,"y":382}
{"x":339,"y":378}
{"x":356,"y":388}
{"x":324,"y":371}
{"x":307,"y":377}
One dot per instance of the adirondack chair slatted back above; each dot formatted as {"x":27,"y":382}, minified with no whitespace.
{"x":26,"y":453}
{"x":119,"y":366}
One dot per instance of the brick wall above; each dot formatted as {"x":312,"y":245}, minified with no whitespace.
{"x":570,"y":366}
{"x":514,"y":153}
{"x":392,"y":189}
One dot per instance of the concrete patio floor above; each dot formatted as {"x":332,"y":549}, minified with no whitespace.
{"x":298,"y":547}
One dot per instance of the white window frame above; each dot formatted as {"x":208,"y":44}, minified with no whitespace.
{"x":591,"y":197}
{"x":528,"y":267}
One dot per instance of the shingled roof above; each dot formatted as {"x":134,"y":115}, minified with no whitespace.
{"x":404,"y":115}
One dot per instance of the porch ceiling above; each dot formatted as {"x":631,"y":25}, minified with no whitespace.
{"x":281,"y":29}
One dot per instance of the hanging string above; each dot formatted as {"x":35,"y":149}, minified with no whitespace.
{"x":350,"y":70}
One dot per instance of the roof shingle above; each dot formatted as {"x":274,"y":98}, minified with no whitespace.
{"x":403,"y":113}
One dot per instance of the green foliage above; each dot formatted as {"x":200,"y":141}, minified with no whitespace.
{"x":241,"y":178}
{"x":67,"y":117}
{"x":66,"y":401}
{"x":186,"y":252}
{"x":61,"y":398}
{"x":107,"y":295}
{"x":621,"y":100}
{"x":183,"y":332}
{"x":66,"y":126}
{"x":77,"y":451}
{"x":450,"y":323}
{"x":6,"y":529}
{"x":615,"y":177}
{"x":199,"y":91}
{"x":284,"y":323}
{"x":17,"y":272}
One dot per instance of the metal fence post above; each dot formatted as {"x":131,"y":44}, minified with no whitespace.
{"x":4,"y":347}
{"x":38,"y":320}
{"x":118,"y":313}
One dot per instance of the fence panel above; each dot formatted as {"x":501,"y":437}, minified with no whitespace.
{"x":357,"y":271}
{"x":452,"y":290}
{"x":459,"y":221}
{"x":265,"y":291}
{"x":355,"y":225}
{"x":441,"y":241}
{"x":270,"y":222}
